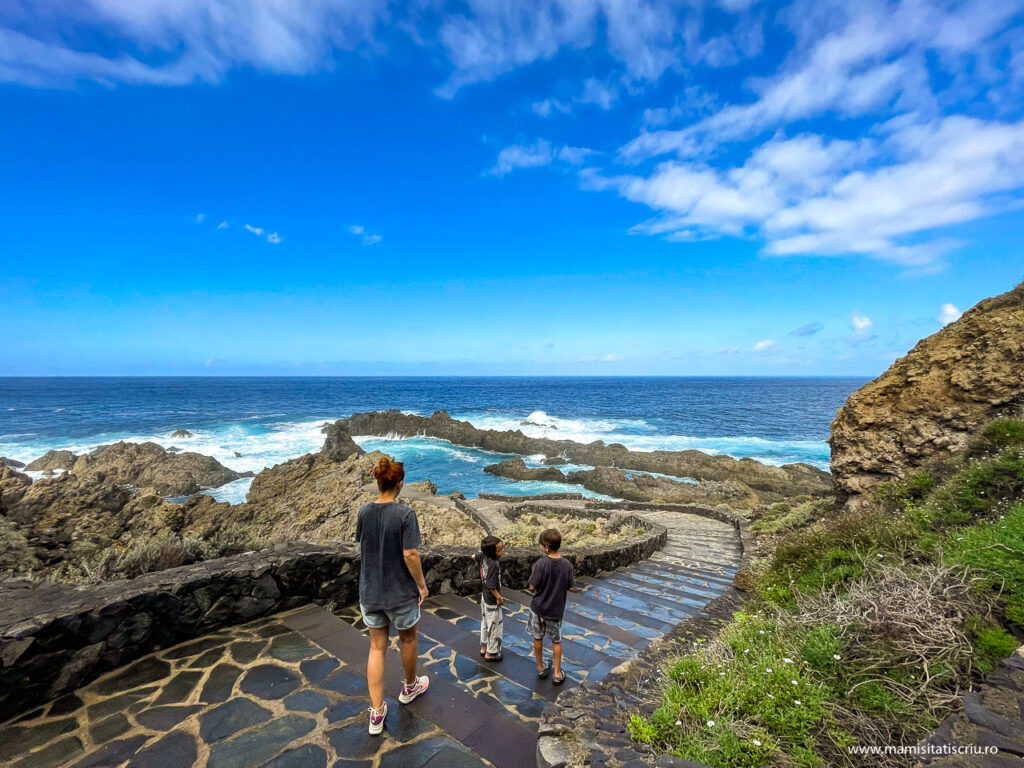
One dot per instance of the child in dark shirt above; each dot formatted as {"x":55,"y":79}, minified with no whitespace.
{"x":491,"y":619}
{"x":552,"y":578}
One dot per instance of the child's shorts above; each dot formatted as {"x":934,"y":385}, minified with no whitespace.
{"x":539,"y":626}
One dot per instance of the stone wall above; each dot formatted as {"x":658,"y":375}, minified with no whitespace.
{"x":55,"y":638}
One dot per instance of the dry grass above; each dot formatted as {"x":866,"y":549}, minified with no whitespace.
{"x":576,"y":531}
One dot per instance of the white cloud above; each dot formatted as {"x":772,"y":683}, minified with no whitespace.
{"x":601,"y":94}
{"x":535,"y":155}
{"x":167,"y":42}
{"x":223,"y":225}
{"x":850,"y":60}
{"x":861,"y":325}
{"x":360,"y":231}
{"x":611,"y":358}
{"x":948,"y":314}
{"x":200,"y":217}
{"x":523,"y":156}
{"x":819,"y":196}
{"x":765,"y":345}
{"x":548,"y":107}
{"x":271,"y":237}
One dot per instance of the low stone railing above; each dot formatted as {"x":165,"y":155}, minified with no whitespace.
{"x":55,"y":638}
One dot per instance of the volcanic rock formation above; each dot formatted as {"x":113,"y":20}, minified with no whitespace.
{"x":927,"y":404}
{"x":787,"y":480}
{"x":516,"y":469}
{"x":147,"y":465}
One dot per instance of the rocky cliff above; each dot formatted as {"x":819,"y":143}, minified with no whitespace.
{"x":926,"y":405}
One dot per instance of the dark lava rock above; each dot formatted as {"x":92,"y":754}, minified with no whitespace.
{"x":118,"y":703}
{"x":111,"y":728}
{"x":165,"y":718}
{"x":516,"y":469}
{"x":58,"y":753}
{"x":246,"y":651}
{"x":142,"y":672}
{"x":18,"y":739}
{"x":292,"y":648}
{"x":12,"y":463}
{"x":316,"y":670}
{"x":181,"y":685}
{"x":269,"y":681}
{"x":112,"y":754}
{"x":346,"y":683}
{"x":195,"y":648}
{"x":181,"y":433}
{"x":339,"y":444}
{"x":355,"y":742}
{"x":308,"y":701}
{"x":261,"y":744}
{"x":208,"y":659}
{"x":345,"y":709}
{"x":306,"y":756}
{"x":220,"y":683}
{"x":413,"y":754}
{"x":230,"y":718}
{"x":174,"y":749}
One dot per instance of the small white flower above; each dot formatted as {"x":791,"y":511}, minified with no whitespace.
{"x":836,"y":656}
{"x":794,"y":682}
{"x":788,"y":660}
{"x":679,"y":722}
{"x":797,"y":701}
{"x":770,"y":696}
{"x":755,"y":742}
{"x":721,"y":674}
{"x":880,"y":554}
{"x":711,"y":723}
{"x":746,"y":650}
{"x":760,"y":631}
{"x":769,"y":670}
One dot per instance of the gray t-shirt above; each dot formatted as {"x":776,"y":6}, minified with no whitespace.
{"x":384,"y":531}
{"x":552,"y":577}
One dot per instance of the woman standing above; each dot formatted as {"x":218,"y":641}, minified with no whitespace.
{"x":391,"y":586}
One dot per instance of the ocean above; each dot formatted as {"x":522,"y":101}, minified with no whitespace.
{"x":268,"y":420}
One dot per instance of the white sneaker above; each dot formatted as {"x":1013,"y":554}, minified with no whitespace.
{"x":411,"y":692}
{"x":377,"y":719}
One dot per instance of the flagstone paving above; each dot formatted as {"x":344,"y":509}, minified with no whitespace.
{"x":290,"y":691}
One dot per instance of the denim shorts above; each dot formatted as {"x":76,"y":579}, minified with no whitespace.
{"x":403,"y":617}
{"x":539,"y":626}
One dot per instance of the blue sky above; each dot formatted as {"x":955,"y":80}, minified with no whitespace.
{"x":518,"y":187}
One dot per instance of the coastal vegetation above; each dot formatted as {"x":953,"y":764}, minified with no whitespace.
{"x":861,"y":627}
{"x":576,"y":531}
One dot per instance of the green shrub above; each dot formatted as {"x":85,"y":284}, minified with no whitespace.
{"x":995,"y":550}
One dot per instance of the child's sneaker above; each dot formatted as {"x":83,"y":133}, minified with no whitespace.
{"x":410,"y":692}
{"x":377,"y":717}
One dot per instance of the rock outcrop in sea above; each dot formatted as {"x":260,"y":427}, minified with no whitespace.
{"x":516,"y":469}
{"x":927,"y":404}
{"x":787,"y":480}
{"x":52,"y":460}
{"x":147,"y":465}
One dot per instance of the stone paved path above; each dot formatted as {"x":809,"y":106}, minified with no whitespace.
{"x":290,"y":691}
{"x":992,"y":718}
